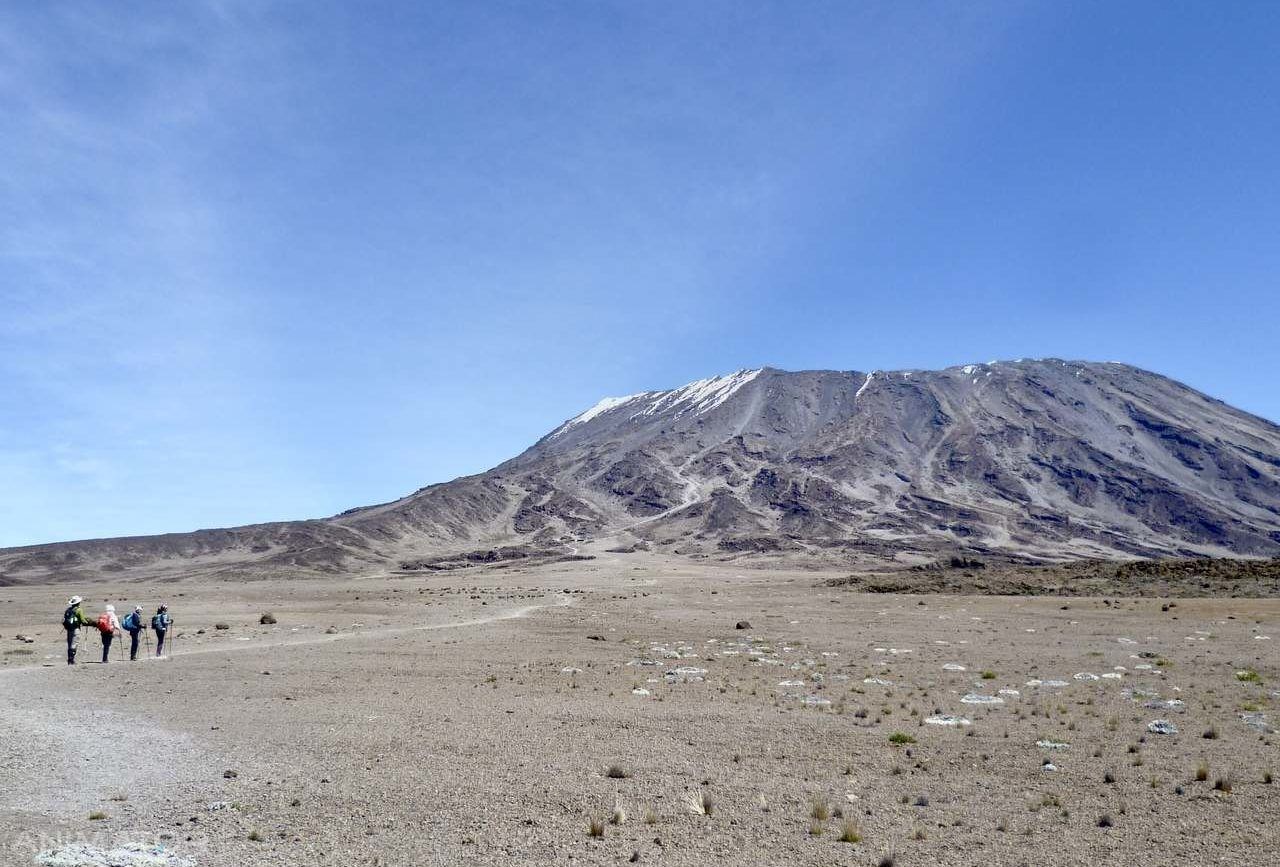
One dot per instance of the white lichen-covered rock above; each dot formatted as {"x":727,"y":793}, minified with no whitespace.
{"x":126,"y":855}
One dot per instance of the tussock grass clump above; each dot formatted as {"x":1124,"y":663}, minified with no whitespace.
{"x":1108,"y":777}
{"x":1248,"y":676}
{"x":256,"y":836}
{"x":699,"y":803}
{"x":819,"y":810}
{"x":595,"y":826}
{"x":1202,"y":771}
{"x":1224,"y":784}
{"x":97,"y":816}
{"x":1211,"y":733}
{"x":850,"y":832}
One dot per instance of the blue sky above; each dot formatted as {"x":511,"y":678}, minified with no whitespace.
{"x":273,"y":260}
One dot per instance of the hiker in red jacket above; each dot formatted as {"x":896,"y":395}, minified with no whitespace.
{"x":108,"y":626}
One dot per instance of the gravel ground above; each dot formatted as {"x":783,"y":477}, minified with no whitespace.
{"x":474,"y":717}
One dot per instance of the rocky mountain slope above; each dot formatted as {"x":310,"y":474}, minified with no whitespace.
{"x":1044,"y":459}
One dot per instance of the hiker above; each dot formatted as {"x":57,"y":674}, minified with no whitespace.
{"x":108,"y":626}
{"x":160,"y":622}
{"x":133,"y":625}
{"x":72,"y":619}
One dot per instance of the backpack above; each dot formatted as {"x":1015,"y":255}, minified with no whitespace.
{"x":104,"y":623}
{"x":69,"y":619}
{"x":159,"y":622}
{"x":132,"y":623}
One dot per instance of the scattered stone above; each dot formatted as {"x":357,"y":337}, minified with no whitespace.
{"x":221,"y":627}
{"x":953,"y":666}
{"x":267,"y":619}
{"x":975,"y":698}
{"x":742,"y":624}
{"x":595,"y":638}
{"x":230,"y":774}
{"x":1052,"y":745}
{"x":1162,"y":727}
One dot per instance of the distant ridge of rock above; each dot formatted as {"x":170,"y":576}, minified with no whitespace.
{"x":1044,"y":459}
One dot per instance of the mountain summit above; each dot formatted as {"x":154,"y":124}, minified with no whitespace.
{"x":1044,"y":459}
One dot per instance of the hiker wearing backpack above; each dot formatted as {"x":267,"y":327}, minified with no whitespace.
{"x":160,"y":622}
{"x":72,"y":619}
{"x":108,"y":626}
{"x":134,"y":626}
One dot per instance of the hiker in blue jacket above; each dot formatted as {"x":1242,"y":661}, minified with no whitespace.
{"x":133,"y":625}
{"x":160,"y":622}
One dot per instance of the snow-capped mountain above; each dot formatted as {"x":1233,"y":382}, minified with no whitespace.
{"x":1046,"y":458}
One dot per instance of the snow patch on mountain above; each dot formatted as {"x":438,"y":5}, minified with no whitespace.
{"x":700,"y":396}
{"x":697,"y":397}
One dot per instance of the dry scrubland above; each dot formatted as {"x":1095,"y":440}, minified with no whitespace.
{"x":609,"y":712}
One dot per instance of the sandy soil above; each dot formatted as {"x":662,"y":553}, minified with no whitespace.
{"x":472,"y":717}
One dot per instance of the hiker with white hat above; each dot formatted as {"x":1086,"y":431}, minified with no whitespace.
{"x":135,"y":627}
{"x":72,"y":619}
{"x":108,"y":626}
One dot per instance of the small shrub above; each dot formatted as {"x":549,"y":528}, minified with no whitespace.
{"x":1248,"y":676}
{"x":901,"y":738}
{"x":1108,"y":777}
{"x":97,"y":816}
{"x":267,"y":619}
{"x":255,"y":836}
{"x":1266,"y":777}
{"x":1211,"y":733}
{"x":222,"y":626}
{"x":617,"y":772}
{"x":1104,"y":821}
{"x":988,"y":675}
{"x":1223,"y":784}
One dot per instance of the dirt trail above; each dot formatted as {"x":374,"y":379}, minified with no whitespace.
{"x":65,"y":754}
{"x":376,"y":632}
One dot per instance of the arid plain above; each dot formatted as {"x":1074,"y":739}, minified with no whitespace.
{"x":609,"y":711}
